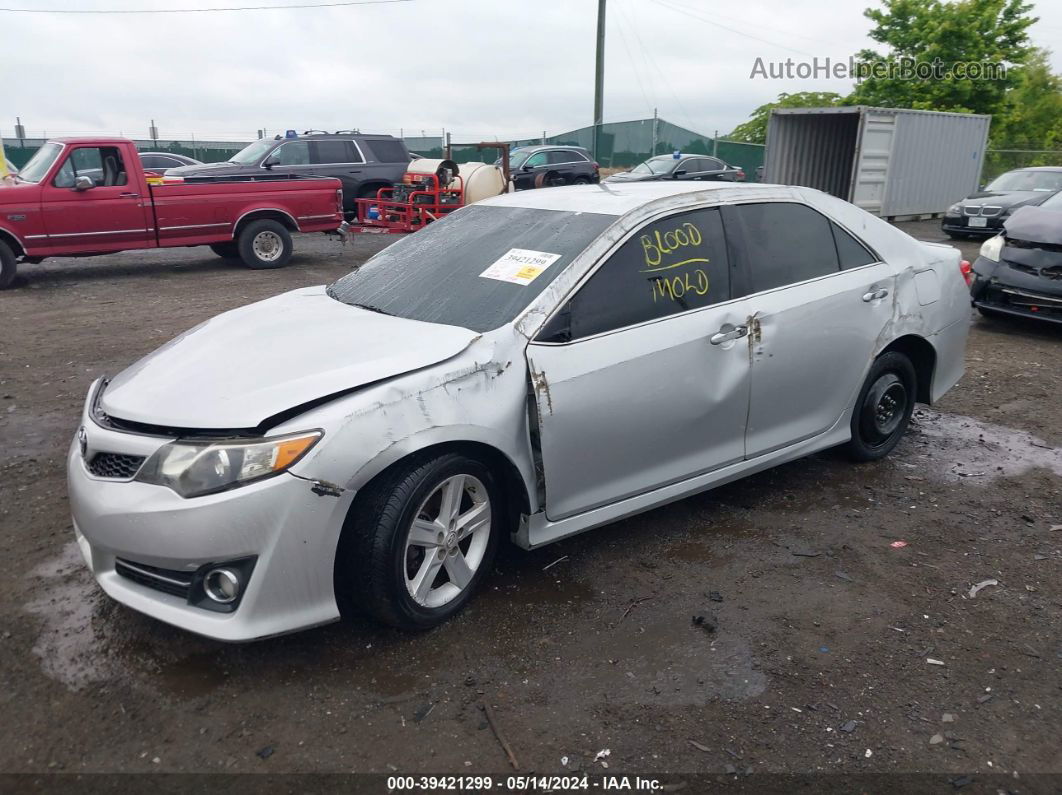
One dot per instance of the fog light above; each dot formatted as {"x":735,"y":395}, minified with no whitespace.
{"x":222,"y":585}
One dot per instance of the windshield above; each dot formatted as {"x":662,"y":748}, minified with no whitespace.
{"x":655,"y":165}
{"x":39,"y":164}
{"x":252,"y":153}
{"x":517,"y":157}
{"x":1027,"y":180}
{"x":478,"y":268}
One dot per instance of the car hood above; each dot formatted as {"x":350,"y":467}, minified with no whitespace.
{"x":207,"y":168}
{"x":627,"y":176}
{"x":1005,"y":199}
{"x":244,"y":367}
{"x":1035,"y":224}
{"x":18,"y":192}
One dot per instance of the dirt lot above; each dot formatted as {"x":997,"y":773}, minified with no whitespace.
{"x":820,"y":659}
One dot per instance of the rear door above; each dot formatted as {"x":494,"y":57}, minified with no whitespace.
{"x":109,"y":216}
{"x":642,"y":377}
{"x":819,"y":299}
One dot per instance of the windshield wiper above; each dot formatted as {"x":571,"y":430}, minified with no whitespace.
{"x":371,"y":308}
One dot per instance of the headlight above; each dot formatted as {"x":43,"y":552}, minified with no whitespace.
{"x":992,"y":248}
{"x":955,"y":209}
{"x":193,"y":468}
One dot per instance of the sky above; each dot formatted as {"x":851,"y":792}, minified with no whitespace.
{"x":480,"y":69}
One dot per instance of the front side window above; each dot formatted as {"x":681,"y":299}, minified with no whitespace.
{"x":781,"y":243}
{"x":103,"y":165}
{"x":477,"y":268}
{"x":672,"y":265}
{"x":537,"y":159}
{"x":294,"y":153}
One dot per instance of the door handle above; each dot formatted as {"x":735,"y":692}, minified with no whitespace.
{"x":875,"y":295}
{"x":728,"y":333}
{"x":354,"y":171}
{"x":128,"y":195}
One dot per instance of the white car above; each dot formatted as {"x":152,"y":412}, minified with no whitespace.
{"x":530,"y":367}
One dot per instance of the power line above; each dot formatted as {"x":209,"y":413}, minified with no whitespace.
{"x":335,"y":4}
{"x":692,"y":15}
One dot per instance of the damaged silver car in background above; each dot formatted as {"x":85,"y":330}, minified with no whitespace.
{"x":530,"y":367}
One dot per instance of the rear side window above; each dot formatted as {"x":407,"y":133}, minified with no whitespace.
{"x":332,"y":152}
{"x":388,"y":150}
{"x":672,"y":265}
{"x":781,"y":243}
{"x":850,"y":251}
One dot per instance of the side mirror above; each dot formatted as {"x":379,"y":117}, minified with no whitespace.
{"x":269,"y":162}
{"x":83,"y":183}
{"x":680,"y":173}
{"x":526,"y":168}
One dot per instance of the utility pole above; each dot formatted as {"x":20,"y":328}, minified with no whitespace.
{"x":656,"y":120}
{"x":599,"y":79}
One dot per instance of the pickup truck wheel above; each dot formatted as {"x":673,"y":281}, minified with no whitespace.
{"x":418,"y":542}
{"x":264,"y":245}
{"x":8,"y":265}
{"x":883,"y":408}
{"x":226,"y":250}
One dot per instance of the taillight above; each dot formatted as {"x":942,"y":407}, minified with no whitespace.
{"x":740,"y":174}
{"x":596,"y":167}
{"x":967,"y":272}
{"x":339,"y":201}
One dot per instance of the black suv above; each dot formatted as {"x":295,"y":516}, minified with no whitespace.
{"x":547,"y":166}
{"x":363,"y":163}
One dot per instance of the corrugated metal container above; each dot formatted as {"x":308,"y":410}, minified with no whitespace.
{"x":889,"y":161}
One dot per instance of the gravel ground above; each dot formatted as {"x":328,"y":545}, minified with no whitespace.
{"x":824,"y":632}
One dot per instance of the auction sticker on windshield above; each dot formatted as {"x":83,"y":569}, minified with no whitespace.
{"x":519,"y":266}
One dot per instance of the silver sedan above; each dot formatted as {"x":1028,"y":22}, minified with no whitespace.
{"x":530,"y":367}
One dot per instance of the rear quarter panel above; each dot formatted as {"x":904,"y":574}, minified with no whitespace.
{"x":194,"y":213}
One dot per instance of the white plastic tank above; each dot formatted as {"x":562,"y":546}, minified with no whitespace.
{"x":482,"y":180}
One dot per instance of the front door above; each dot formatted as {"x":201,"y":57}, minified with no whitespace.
{"x":642,"y":378}
{"x":820,"y":300}
{"x":109,"y":216}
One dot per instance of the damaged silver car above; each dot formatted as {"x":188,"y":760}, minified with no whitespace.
{"x":530,"y":367}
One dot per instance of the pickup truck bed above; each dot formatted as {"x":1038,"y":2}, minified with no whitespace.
{"x":83,"y":197}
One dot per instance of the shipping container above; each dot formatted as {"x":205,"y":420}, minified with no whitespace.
{"x":889,"y":161}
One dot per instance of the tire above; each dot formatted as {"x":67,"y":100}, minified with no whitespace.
{"x":378,"y":569}
{"x":957,"y":236}
{"x":883,"y":408}
{"x":226,"y":250}
{"x":264,"y":245}
{"x":8,"y":265}
{"x":582,"y":181}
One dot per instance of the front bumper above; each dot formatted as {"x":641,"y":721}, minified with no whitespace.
{"x":291,"y":532}
{"x":960,"y":225}
{"x":1005,"y":288}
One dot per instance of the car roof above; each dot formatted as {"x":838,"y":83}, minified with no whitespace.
{"x":614,"y":198}
{"x":1039,"y":168}
{"x":536,"y":147}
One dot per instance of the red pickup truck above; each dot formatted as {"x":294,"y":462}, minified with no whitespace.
{"x":79,"y":197}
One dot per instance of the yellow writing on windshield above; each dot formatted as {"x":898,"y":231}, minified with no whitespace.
{"x":657,"y":246}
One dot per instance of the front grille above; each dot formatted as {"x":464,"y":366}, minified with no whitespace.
{"x":987,"y":211}
{"x":177,"y":583}
{"x":115,"y":465}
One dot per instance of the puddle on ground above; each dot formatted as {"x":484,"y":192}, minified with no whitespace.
{"x":69,"y":645}
{"x":192,"y":676}
{"x":31,"y":435}
{"x":963,"y":448}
